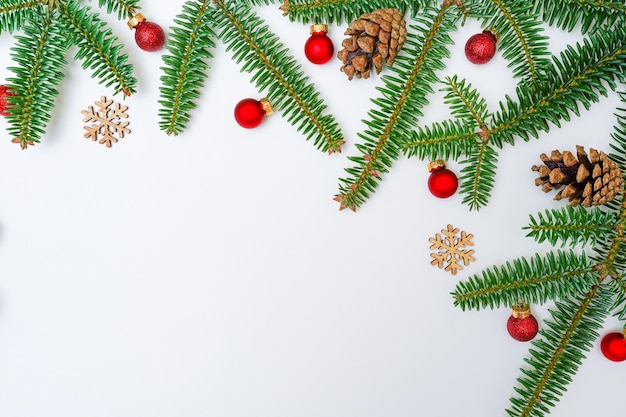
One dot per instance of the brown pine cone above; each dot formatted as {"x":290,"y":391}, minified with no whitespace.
{"x":374,"y":38}
{"x":588,"y":180}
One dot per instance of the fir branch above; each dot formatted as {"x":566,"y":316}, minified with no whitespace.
{"x":276,"y":71}
{"x":519,"y":33}
{"x":337,"y":11}
{"x":589,"y":16}
{"x":465,"y":102}
{"x":577,"y":78}
{"x":189,"y":47}
{"x":478,"y":176}
{"x":573,"y":226}
{"x":558,"y":352}
{"x":125,"y":9}
{"x":449,"y":139}
{"x":39,"y":55}
{"x":557,"y":274}
{"x":403,"y":97}
{"x":97,"y":47}
{"x":13,"y":13}
{"x":619,"y":305}
{"x":618,"y":144}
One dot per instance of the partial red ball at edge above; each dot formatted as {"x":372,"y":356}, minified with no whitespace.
{"x":4,"y":104}
{"x":149,"y":36}
{"x":613,"y":347}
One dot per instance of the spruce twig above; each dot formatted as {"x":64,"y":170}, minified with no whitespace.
{"x":276,"y":71}
{"x":49,"y":29}
{"x":403,"y":97}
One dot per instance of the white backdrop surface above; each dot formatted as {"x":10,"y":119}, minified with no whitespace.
{"x":212,"y":274}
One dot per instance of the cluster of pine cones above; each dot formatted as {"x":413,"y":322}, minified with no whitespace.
{"x":374,"y":39}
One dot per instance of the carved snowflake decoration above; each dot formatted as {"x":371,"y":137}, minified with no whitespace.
{"x":106,"y":122}
{"x":452,"y":249}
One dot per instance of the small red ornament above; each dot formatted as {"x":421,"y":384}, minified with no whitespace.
{"x":249,"y":113}
{"x":4,"y":104}
{"x":522,"y":325}
{"x":481,"y":47}
{"x":613,"y":346}
{"x":442,"y":182}
{"x":319,"y":48}
{"x":149,"y":36}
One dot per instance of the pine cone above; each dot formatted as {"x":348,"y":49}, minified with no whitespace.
{"x":375,"y":38}
{"x":588,"y":180}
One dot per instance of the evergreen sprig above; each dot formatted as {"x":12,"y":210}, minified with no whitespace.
{"x":403,"y":96}
{"x":98,"y":49}
{"x":39,"y":55}
{"x":573,"y":226}
{"x":577,"y":78}
{"x":48,"y":30}
{"x":125,"y":9}
{"x":334,"y":11}
{"x":13,"y":13}
{"x":190,"y":48}
{"x":559,"y":351}
{"x":556,"y":274}
{"x":275,"y":70}
{"x":584,"y":15}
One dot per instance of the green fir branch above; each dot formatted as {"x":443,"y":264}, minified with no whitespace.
{"x":13,"y":13}
{"x":478,"y":176}
{"x":588,"y":16}
{"x":573,"y":226}
{"x":519,"y":33}
{"x":337,"y":11}
{"x":97,"y":47}
{"x":39,"y":55}
{"x":190,"y":45}
{"x":618,"y":144}
{"x":558,"y":353}
{"x":125,"y":9}
{"x":403,"y":97}
{"x":274,"y":70}
{"x":465,"y":102}
{"x":557,"y":274}
{"x":619,"y":305}
{"x":578,"y":78}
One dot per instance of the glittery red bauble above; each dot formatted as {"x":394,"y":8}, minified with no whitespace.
{"x":442,"y":182}
{"x":522,"y":329}
{"x":149,"y":36}
{"x":481,"y":47}
{"x":613,"y":347}
{"x":319,"y":48}
{"x":249,"y":113}
{"x":4,"y":104}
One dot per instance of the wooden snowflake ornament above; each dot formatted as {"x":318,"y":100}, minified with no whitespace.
{"x":451,"y":249}
{"x":105,"y":122}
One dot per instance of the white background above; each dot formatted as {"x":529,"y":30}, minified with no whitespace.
{"x":212,"y":274}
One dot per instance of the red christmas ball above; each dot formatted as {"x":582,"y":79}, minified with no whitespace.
{"x":249,"y":113}
{"x":319,"y":48}
{"x":4,"y":104}
{"x":149,"y":36}
{"x":522,"y":326}
{"x":613,"y":346}
{"x":481,"y":47}
{"x":442,"y":182}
